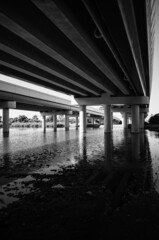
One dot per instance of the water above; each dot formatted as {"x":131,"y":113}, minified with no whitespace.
{"x":28,"y":151}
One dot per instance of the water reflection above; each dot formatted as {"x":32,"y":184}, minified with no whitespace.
{"x":108,"y":147}
{"x":123,"y":157}
{"x":135,"y":148}
{"x":83,"y":146}
{"x":129,"y":158}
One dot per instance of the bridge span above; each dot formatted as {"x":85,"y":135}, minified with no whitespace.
{"x":100,"y":52}
{"x":17,"y":97}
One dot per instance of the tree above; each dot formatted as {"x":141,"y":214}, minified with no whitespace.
{"x":15,"y":119}
{"x":154,"y":119}
{"x":60,"y":118}
{"x":49,"y":119}
{"x":35,"y":118}
{"x":22,"y":118}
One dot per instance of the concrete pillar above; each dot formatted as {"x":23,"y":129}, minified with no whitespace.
{"x":55,"y":122}
{"x":135,"y":119}
{"x":111,"y":120}
{"x":125,"y":120}
{"x":93,"y":121}
{"x":107,"y":118}
{"x":66,"y":122}
{"x":82,"y":118}
{"x":5,"y":122}
{"x":76,"y":122}
{"x":44,"y":124}
{"x":142,"y":119}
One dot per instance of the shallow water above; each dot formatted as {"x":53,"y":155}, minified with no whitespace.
{"x":28,"y":151}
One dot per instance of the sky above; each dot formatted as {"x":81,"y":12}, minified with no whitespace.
{"x":154,"y":97}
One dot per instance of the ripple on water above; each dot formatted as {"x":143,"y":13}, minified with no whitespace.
{"x":45,"y":154}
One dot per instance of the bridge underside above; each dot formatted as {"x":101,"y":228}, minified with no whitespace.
{"x":84,"y":48}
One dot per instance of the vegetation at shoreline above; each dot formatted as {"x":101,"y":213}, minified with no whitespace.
{"x":24,"y":122}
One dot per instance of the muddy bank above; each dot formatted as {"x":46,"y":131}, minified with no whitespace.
{"x":83,"y":201}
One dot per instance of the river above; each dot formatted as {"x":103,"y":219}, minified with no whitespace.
{"x":30,"y":150}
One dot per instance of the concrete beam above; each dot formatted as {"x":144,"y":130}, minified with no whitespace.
{"x":128,"y":110}
{"x":8,"y":104}
{"x":128,"y":16}
{"x":80,"y":38}
{"x":106,"y":99}
{"x":62,"y":54}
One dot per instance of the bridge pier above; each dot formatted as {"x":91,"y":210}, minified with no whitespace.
{"x":5,"y":122}
{"x":55,"y":122}
{"x":77,"y":122}
{"x":44,"y":123}
{"x":142,"y":119}
{"x":125,"y":120}
{"x":66,"y":123}
{"x":6,"y":105}
{"x":82,"y":115}
{"x":135,"y":119}
{"x":107,"y":118}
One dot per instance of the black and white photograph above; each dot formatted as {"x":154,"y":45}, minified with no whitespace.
{"x":79,"y":119}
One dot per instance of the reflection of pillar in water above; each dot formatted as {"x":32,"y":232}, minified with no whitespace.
{"x":6,"y":150}
{"x":135,"y":147}
{"x":6,"y":122}
{"x":142,"y":143}
{"x":108,"y":148}
{"x":127,"y":144}
{"x":55,"y":122}
{"x":83,"y":146}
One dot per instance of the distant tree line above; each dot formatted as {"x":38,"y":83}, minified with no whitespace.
{"x":24,"y":119}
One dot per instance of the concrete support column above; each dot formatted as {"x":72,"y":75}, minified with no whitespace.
{"x":44,"y":124}
{"x":82,"y":118}
{"x":76,"y":122}
{"x":142,"y":119}
{"x":107,"y":118}
{"x":5,"y":122}
{"x":55,"y":122}
{"x":135,"y":119}
{"x":66,"y":122}
{"x":125,"y":120}
{"x":111,"y":120}
{"x":93,"y":121}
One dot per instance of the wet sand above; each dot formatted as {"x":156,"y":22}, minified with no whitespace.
{"x":82,"y":202}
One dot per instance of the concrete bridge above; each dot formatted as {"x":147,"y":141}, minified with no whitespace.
{"x":100,"y":52}
{"x":17,"y":97}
